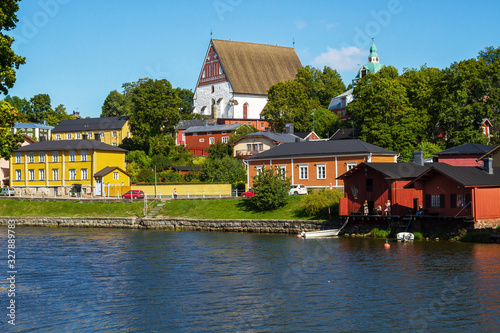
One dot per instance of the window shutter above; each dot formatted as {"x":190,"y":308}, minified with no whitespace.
{"x":441,"y":200}
{"x":453,"y":200}
{"x":468,"y":199}
{"x":427,"y":200}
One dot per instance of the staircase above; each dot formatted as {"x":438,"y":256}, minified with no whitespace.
{"x":155,"y":210}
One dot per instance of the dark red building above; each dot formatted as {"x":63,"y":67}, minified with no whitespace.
{"x":464,"y":155}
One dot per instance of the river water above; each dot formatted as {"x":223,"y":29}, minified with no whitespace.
{"x":114,"y":280}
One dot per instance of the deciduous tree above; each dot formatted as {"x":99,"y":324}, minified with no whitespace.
{"x":271,"y":188}
{"x":8,"y":141}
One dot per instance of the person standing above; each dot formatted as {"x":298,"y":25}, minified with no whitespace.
{"x":365,"y":208}
{"x":175,"y":193}
{"x":387,"y":210}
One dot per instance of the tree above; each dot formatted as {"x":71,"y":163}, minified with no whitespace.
{"x":321,"y":86}
{"x":383,"y":112}
{"x":8,"y":141}
{"x":57,"y":115}
{"x":271,"y":188}
{"x":155,"y":111}
{"x":242,"y":130}
{"x":186,"y":102}
{"x":40,"y":108}
{"x":225,"y":170}
{"x":219,"y":150}
{"x":116,"y":105}
{"x":21,"y":104}
{"x":289,"y":103}
{"x":325,"y":122}
{"x":9,"y":61}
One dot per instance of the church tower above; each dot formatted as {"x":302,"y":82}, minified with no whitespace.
{"x":373,"y":65}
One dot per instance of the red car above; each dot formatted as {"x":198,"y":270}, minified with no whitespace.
{"x":247,"y":194}
{"x":134,"y":194}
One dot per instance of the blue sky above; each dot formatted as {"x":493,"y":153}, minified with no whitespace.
{"x":77,"y":51}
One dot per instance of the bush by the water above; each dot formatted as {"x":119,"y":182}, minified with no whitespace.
{"x":375,"y":232}
{"x":477,"y":237}
{"x":316,"y":203}
{"x":418,"y":235}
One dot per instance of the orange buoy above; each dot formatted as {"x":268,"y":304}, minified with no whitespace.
{"x":299,"y":236}
{"x":387,"y":245}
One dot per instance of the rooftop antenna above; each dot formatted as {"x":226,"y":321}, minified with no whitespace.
{"x":211,"y":34}
{"x":293,"y":39}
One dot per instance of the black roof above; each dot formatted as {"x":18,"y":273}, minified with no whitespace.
{"x":345,"y":133}
{"x":185,"y":124}
{"x":465,"y":176}
{"x":69,"y":145}
{"x":467,"y":148}
{"x":390,"y":170}
{"x":91,"y":124}
{"x":107,"y":170}
{"x":321,"y":148}
{"x":277,"y":137}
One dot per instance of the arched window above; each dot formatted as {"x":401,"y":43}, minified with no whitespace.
{"x":245,"y":111}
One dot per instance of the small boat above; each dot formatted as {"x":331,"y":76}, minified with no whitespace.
{"x":321,"y":233}
{"x":405,"y":237}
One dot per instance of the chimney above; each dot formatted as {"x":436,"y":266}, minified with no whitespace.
{"x":418,"y":157}
{"x":297,"y":139}
{"x":289,"y":129}
{"x":488,"y":165}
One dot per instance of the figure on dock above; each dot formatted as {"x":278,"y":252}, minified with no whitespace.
{"x":387,"y":210}
{"x":365,"y":208}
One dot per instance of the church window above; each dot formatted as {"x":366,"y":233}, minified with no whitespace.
{"x":245,"y":111}
{"x":213,"y":89}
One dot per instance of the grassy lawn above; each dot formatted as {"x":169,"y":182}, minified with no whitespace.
{"x":230,"y":209}
{"x":16,"y":208}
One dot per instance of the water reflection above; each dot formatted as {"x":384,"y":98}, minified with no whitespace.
{"x":105,"y":280}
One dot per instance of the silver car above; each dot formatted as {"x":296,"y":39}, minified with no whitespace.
{"x":298,"y":189}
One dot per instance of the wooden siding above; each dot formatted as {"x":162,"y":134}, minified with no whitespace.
{"x":461,"y":160}
{"x":486,"y":203}
{"x":445,"y":187}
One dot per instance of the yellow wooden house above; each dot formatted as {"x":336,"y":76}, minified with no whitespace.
{"x":110,"y":130}
{"x":77,"y":166}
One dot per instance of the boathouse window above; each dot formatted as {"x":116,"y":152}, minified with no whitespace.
{"x":434,"y":200}
{"x":458,"y":200}
{"x":369,"y":185}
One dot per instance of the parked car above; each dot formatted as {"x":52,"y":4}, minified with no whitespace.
{"x":298,"y":189}
{"x":7,"y":191}
{"x":247,"y":194}
{"x":134,"y":194}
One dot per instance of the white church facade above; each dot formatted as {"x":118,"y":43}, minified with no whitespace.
{"x":235,"y":77}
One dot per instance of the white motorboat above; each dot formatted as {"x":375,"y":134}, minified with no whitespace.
{"x":405,"y":237}
{"x":321,"y":233}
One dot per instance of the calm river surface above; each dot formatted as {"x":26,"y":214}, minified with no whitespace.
{"x":113,"y":280}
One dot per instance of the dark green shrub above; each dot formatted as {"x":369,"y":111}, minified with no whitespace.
{"x":477,"y":237}
{"x":271,"y":189}
{"x":316,"y":203}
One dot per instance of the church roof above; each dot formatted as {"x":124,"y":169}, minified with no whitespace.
{"x":253,"y":68}
{"x":373,"y":51}
{"x":372,"y":67}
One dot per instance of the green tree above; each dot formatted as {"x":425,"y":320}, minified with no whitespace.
{"x":383,"y":112}
{"x":223,"y":170}
{"x":116,"y":105}
{"x":219,"y":150}
{"x":186,"y":102}
{"x":8,"y":141}
{"x":155,"y":112}
{"x":325,"y":122}
{"x":9,"y":60}
{"x":40,"y":108}
{"x":321,"y":86}
{"x":271,"y":188}
{"x":242,"y":130}
{"x":57,"y":115}
{"x":21,"y":104}
{"x":289,"y":103}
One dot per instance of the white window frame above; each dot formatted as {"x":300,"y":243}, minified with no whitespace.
{"x":55,"y":174}
{"x":78,"y":136}
{"x":84,"y":174}
{"x":258,"y":170}
{"x":89,"y":135}
{"x":128,"y":135}
{"x":41,"y":156}
{"x":41,"y":174}
{"x":303,"y":171}
{"x":83,"y":155}
{"x":19,"y":175}
{"x":350,"y":165}
{"x":435,"y":200}
{"x":115,"y":134}
{"x":72,"y":174}
{"x":72,"y":156}
{"x":202,"y":140}
{"x":211,"y":140}
{"x":55,"y":156}
{"x":31,"y":174}
{"x":68,"y":136}
{"x":58,"y":137}
{"x":116,"y":176}
{"x":225,"y":139}
{"x":321,"y":171}
{"x":283,"y":167}
{"x":31,"y":157}
{"x":19,"y":158}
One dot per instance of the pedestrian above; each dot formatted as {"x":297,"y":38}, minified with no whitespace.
{"x":365,"y":208}
{"x":387,"y":210}
{"x":175,"y":193}
{"x":420,"y":210}
{"x":378,"y":210}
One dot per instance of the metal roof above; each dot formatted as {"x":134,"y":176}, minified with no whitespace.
{"x":390,"y":170}
{"x":467,"y":148}
{"x":107,"y":170}
{"x":277,"y":137}
{"x":32,"y":125}
{"x":212,"y":128}
{"x":321,"y":148}
{"x":185,"y":124}
{"x":91,"y":124}
{"x":69,"y":145}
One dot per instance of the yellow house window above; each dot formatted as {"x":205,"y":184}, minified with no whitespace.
{"x":72,"y":174}
{"x":68,"y":136}
{"x":114,"y":134}
{"x":83,"y":154}
{"x":19,"y":158}
{"x":41,"y":156}
{"x":78,"y":136}
{"x":55,"y":156}
{"x":31,"y":157}
{"x":115,"y":176}
{"x":72,"y":156}
{"x":58,"y":136}
{"x":55,"y":174}
{"x":41,"y":174}
{"x":84,"y":174}
{"x":18,"y":175}
{"x":31,"y":174}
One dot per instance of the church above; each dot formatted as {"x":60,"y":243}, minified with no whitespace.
{"x":235,"y":77}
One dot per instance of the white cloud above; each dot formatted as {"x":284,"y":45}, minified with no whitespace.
{"x":330,"y":25}
{"x":346,"y":59}
{"x":300,"y":24}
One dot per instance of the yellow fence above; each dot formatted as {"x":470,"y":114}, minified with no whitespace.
{"x":167,"y":191}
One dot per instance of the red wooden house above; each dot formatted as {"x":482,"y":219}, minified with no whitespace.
{"x":183,"y":125}
{"x":199,"y":138}
{"x":461,"y":192}
{"x":379,"y":182}
{"x":464,"y":155}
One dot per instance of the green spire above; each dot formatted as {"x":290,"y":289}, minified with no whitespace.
{"x":373,"y":50}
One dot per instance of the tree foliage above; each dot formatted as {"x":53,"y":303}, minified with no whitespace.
{"x":8,"y":141}
{"x":242,"y":130}
{"x":219,"y":150}
{"x":270,"y":187}
{"x":9,"y":60}
{"x":321,"y":86}
{"x":224,"y":170}
{"x":116,"y":105}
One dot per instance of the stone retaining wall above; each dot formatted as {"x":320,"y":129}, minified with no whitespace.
{"x":263,"y":226}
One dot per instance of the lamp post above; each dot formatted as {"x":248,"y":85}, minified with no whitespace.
{"x":155,"y":181}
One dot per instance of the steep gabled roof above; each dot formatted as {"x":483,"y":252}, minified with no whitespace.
{"x":322,"y":148}
{"x":345,"y":133}
{"x":467,"y":149}
{"x":490,"y":152}
{"x":90,"y":124}
{"x":69,"y":145}
{"x":212,"y":128}
{"x":465,"y":176}
{"x":107,"y":170}
{"x":406,"y":170}
{"x":253,"y":68}
{"x":275,"y":137}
